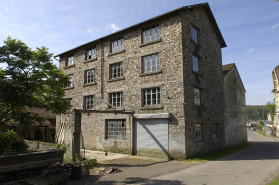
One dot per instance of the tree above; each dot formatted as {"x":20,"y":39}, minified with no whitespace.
{"x":271,"y":109}
{"x":29,"y":80}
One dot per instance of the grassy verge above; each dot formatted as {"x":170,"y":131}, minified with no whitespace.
{"x":275,"y":181}
{"x":262,"y":133}
{"x":218,"y":153}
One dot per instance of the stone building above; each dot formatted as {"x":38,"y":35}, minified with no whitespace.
{"x":275,"y":77}
{"x":155,"y":88}
{"x":235,"y":107}
{"x":40,"y":132}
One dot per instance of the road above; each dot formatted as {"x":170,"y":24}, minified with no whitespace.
{"x":258,"y":164}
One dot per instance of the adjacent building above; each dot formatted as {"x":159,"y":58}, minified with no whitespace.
{"x":40,"y":132}
{"x":275,"y":75}
{"x":235,"y":106}
{"x":155,"y":88}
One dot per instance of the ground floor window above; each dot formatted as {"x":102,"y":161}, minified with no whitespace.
{"x":198,"y":132}
{"x":116,"y":129}
{"x":214,"y":131}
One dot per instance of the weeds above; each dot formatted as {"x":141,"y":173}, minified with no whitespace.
{"x":218,"y":153}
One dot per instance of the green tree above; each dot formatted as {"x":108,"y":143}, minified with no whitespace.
{"x":271,"y":109}
{"x":29,"y":80}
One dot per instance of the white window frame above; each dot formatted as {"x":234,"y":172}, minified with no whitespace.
{"x":70,"y":60}
{"x":117,"y":44}
{"x":89,"y":76}
{"x":195,"y":63}
{"x":214,"y":131}
{"x":115,"y":99}
{"x":197,"y":96}
{"x":91,"y":53}
{"x":151,"y":63}
{"x":71,"y":80}
{"x":198,"y":131}
{"x":116,"y":129}
{"x":89,"y":102}
{"x":195,"y":34}
{"x":151,"y":96}
{"x":150,"y":33}
{"x":116,"y":70}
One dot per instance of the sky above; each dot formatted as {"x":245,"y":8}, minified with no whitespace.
{"x":250,"y":29}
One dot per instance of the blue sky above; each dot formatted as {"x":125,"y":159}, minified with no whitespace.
{"x":250,"y":29}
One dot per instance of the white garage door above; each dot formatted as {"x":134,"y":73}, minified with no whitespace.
{"x":151,"y":138}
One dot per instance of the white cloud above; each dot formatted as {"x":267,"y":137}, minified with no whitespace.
{"x":250,"y":50}
{"x":113,"y":27}
{"x":274,"y":26}
{"x":108,"y":28}
{"x":259,"y":99}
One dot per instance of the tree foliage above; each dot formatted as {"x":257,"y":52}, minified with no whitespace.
{"x":10,"y":141}
{"x":29,"y":80}
{"x":271,"y":109}
{"x":256,"y":112}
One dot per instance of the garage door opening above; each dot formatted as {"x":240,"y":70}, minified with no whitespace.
{"x":152,"y":138}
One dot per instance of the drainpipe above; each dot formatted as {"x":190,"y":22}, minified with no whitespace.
{"x":102,"y":70}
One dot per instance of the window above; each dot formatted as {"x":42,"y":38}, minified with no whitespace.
{"x":89,"y":76}
{"x":194,"y":33}
{"x":151,"y":96}
{"x":71,"y":80}
{"x":70,"y":60}
{"x":116,"y":70}
{"x":150,"y":63}
{"x":88,"y":102}
{"x":91,"y":53}
{"x":115,"y":99}
{"x":69,"y":100}
{"x":150,"y":33}
{"x":116,"y":129}
{"x":214,"y":131}
{"x":198,"y":132}
{"x":197,"y":96}
{"x":195,"y":64}
{"x":117,"y":44}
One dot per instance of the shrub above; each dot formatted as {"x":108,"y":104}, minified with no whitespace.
{"x":10,"y":141}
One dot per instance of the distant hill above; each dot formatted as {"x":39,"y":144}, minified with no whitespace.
{"x":256,"y":112}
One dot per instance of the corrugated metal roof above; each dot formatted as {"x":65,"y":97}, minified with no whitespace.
{"x":204,"y":5}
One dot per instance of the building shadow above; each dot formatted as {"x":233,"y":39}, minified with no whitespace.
{"x":93,"y":180}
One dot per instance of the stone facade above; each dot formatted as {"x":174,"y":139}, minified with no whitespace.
{"x":175,"y":78}
{"x":235,"y":107}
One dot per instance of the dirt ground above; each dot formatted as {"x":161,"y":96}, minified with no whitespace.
{"x":134,"y":169}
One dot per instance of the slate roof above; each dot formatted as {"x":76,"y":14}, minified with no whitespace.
{"x":226,"y":68}
{"x":206,"y":6}
{"x":42,"y":112}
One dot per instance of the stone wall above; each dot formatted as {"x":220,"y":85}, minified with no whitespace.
{"x":33,"y":145}
{"x":208,"y":80}
{"x":168,"y":78}
{"x":235,"y":109}
{"x":175,"y":79}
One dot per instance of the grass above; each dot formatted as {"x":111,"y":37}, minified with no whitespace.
{"x":262,"y":133}
{"x":275,"y":181}
{"x":218,"y":153}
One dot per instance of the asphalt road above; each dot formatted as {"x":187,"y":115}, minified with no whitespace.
{"x":258,"y":164}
